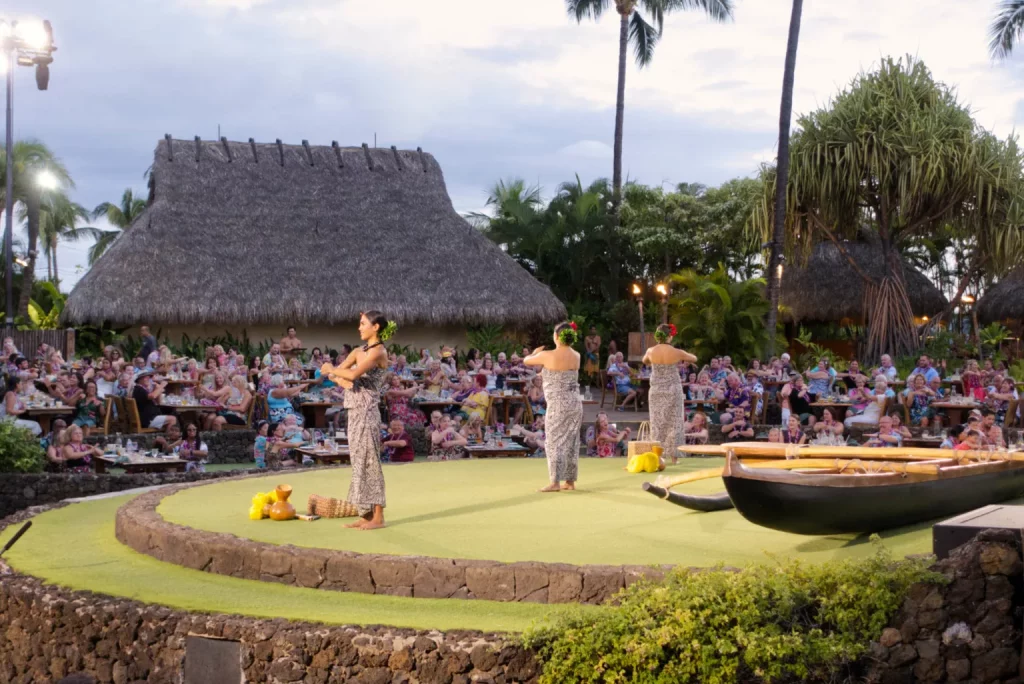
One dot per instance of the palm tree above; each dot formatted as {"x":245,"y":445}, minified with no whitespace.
{"x":58,"y":220}
{"x":1007,"y":27}
{"x":643,"y":35}
{"x":121,"y":216}
{"x":29,"y":158}
{"x":782,"y":172}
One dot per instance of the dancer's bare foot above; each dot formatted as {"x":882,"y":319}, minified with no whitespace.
{"x":374,"y":522}
{"x":358,"y":524}
{"x":551,"y":488}
{"x":569,"y":487}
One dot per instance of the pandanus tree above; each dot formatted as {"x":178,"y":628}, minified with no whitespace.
{"x":896,"y":157}
{"x":642,"y":33}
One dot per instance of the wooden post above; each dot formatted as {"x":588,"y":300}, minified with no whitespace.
{"x":69,"y":343}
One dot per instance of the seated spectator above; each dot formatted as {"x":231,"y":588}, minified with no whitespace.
{"x":473,"y":430}
{"x":695,"y":431}
{"x":887,"y":435}
{"x":535,"y":395}
{"x":169,"y":441}
{"x":851,"y":374}
{"x":918,"y":398}
{"x":51,"y":442}
{"x":873,"y":413}
{"x":236,"y":405}
{"x":756,"y":389}
{"x":924,"y":367}
{"x":794,"y":434}
{"x":533,"y":437}
{"x":193,"y":450}
{"x":77,"y":455}
{"x":603,"y":440}
{"x":147,"y":395}
{"x":489,"y":372}
{"x":89,"y":409}
{"x":828,"y":425}
{"x":860,"y":396}
{"x":397,"y":443}
{"x":886,"y":369}
{"x":819,"y":379}
{"x":106,"y":379}
{"x":898,"y":426}
{"x":621,"y":377}
{"x":953,"y":440}
{"x":397,"y":399}
{"x":972,"y":381}
{"x":994,"y":437}
{"x":738,"y":429}
{"x":274,"y":359}
{"x":435,"y":379}
{"x":476,"y":404}
{"x":13,"y":407}
{"x":279,"y":398}
{"x":446,"y":444}
{"x":971,"y":440}
{"x":999,"y":399}
{"x":775,"y":436}
{"x":796,"y":400}
{"x":737,"y":399}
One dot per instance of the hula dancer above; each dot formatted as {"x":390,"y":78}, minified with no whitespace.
{"x":666,"y":395}
{"x":560,"y":369}
{"x":362,"y":375}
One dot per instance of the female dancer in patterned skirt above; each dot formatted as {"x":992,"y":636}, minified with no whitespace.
{"x":560,"y":371}
{"x":362,"y":375}
{"x":666,"y":395}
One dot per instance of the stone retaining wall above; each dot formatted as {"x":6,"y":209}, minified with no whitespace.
{"x":139,"y":526}
{"x":21,"y":490}
{"x":49,"y":633}
{"x":965,"y":631}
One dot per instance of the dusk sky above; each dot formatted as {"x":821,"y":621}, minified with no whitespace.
{"x":492,"y":89}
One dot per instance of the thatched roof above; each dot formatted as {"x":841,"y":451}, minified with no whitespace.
{"x":827,"y":288}
{"x":1004,"y":300}
{"x":239,"y":233}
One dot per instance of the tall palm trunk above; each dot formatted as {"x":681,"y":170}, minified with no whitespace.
{"x":53,"y":251}
{"x":49,"y":264}
{"x":28,"y":274}
{"x":782,"y":175}
{"x":625,"y":9}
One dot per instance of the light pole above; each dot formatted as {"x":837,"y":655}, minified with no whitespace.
{"x":24,"y":44}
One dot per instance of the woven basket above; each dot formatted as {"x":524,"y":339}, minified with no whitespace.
{"x":643,"y":442}
{"x":326,"y":507}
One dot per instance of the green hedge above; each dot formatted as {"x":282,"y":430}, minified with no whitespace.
{"x":19,"y":450}
{"x":772,"y":623}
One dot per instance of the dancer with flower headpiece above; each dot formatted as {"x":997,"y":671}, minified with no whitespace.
{"x":666,"y":395}
{"x":560,"y":370}
{"x":362,"y":375}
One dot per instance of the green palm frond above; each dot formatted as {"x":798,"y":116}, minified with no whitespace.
{"x":644,"y":38}
{"x":586,"y":9}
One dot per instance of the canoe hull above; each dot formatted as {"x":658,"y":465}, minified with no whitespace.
{"x":816,"y":506}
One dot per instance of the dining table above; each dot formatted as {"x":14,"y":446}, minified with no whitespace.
{"x":45,"y":414}
{"x":954,"y":409}
{"x":498,"y":449}
{"x":326,"y":455}
{"x":315,"y":412}
{"x":139,"y":463}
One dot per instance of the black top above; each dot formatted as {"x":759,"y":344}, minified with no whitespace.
{"x":148,"y":410}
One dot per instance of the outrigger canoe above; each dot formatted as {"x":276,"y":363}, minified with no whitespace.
{"x":869,"y":491}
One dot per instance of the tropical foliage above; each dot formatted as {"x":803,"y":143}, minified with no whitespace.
{"x":1007,"y":28}
{"x":785,"y":622}
{"x":896,"y":158}
{"x":714,"y":313}
{"x":642,"y":34}
{"x":120,"y":216}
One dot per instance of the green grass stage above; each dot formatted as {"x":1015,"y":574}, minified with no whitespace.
{"x":75,"y":547}
{"x":490,"y":509}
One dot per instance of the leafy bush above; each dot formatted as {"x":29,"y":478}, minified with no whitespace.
{"x":19,"y":450}
{"x":771,"y":623}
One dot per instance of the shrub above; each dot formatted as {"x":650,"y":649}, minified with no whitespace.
{"x":19,"y":450}
{"x":770,"y":623}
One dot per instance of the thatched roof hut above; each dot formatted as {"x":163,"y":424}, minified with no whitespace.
{"x":243,"y":233}
{"x":1004,"y":300}
{"x":827,"y":288}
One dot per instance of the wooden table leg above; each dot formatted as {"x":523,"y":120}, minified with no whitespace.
{"x":44,"y":422}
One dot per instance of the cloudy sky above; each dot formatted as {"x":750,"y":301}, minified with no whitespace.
{"x":492,"y":89}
